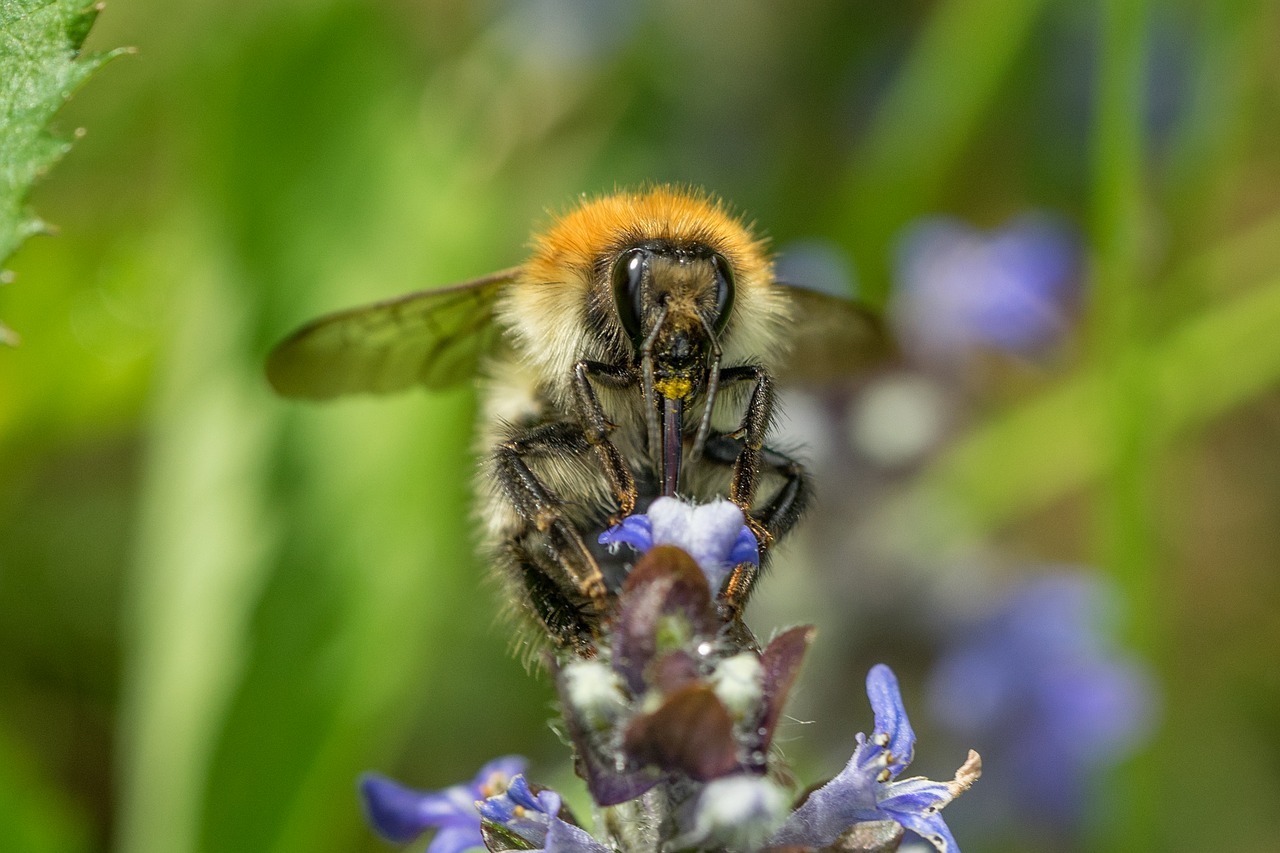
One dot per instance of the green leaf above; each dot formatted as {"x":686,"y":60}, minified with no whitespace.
{"x":40,"y":67}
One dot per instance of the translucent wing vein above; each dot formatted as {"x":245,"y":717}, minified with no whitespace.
{"x":432,"y":339}
{"x":834,"y":338}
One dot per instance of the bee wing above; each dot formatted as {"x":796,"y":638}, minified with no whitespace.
{"x":431,"y":338}
{"x":834,"y":338}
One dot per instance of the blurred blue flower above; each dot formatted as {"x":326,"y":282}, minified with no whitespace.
{"x":401,"y":814}
{"x":960,"y":290}
{"x":714,"y":534}
{"x":536,"y":819}
{"x":866,"y":789}
{"x":1038,"y":686}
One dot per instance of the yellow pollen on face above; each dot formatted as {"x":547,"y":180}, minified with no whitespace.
{"x":674,"y":389}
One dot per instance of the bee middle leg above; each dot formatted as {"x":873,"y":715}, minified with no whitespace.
{"x":543,"y":510}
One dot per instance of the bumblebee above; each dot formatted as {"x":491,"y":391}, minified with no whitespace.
{"x":634,"y":354}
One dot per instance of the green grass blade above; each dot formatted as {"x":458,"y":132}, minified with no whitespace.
{"x":1122,"y":312}
{"x":918,"y":136}
{"x":202,"y":556}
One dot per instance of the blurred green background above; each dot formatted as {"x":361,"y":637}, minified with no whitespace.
{"x":217,"y":607}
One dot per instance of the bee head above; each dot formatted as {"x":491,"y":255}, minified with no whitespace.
{"x":673,"y":301}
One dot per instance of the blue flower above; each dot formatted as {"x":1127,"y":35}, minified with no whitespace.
{"x":866,"y":789}
{"x":1039,"y":685}
{"x":401,"y":814}
{"x":714,"y":535}
{"x":961,"y":290}
{"x":536,"y":819}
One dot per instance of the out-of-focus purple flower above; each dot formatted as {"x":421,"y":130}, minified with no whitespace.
{"x":866,"y":789}
{"x":535,"y":818}
{"x":1038,"y":685}
{"x":713,"y":534}
{"x":960,"y":290}
{"x":401,"y":814}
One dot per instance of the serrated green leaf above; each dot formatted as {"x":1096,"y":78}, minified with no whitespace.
{"x":40,"y":67}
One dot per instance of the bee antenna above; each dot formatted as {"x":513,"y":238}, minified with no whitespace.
{"x":713,"y":387}
{"x":646,"y":374}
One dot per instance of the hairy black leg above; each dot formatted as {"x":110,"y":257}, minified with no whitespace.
{"x":776,"y":517}
{"x":751,"y":432}
{"x":784,"y":509}
{"x":560,"y":612}
{"x":596,"y":427}
{"x":538,"y":507}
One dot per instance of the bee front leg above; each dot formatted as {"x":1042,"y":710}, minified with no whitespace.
{"x":543,"y":510}
{"x":596,"y":427}
{"x":751,"y":432}
{"x":775,"y":518}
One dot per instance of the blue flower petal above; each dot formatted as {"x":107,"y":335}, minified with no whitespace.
{"x":1040,"y":679}
{"x":931,"y":827}
{"x":497,"y":809}
{"x":566,"y":838}
{"x":401,"y":814}
{"x":916,"y":795}
{"x":713,"y":534}
{"x":713,"y":531}
{"x":500,"y":770}
{"x":891,"y":718}
{"x":672,"y":521}
{"x":521,"y":794}
{"x":745,"y":548}
{"x":635,"y":530}
{"x":536,"y":819}
{"x":523,"y":812}
{"x":829,"y":811}
{"x":865,"y":791}
{"x":455,"y":839}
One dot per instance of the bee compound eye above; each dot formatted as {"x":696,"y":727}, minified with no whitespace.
{"x":724,"y":291}
{"x":628,"y":276}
